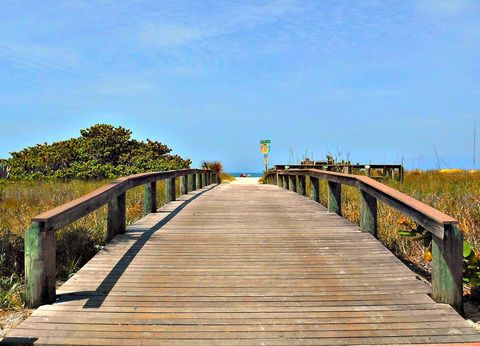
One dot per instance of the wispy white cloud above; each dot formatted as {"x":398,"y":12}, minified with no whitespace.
{"x":225,"y":20}
{"x":35,"y":56}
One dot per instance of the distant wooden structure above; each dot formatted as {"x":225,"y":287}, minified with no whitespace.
{"x":374,"y":171}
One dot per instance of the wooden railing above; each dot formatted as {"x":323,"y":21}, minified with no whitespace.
{"x":447,"y":244}
{"x":40,"y":237}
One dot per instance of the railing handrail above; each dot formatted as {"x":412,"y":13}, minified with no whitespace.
{"x":447,"y":238}
{"x":73,"y":210}
{"x":432,"y":219}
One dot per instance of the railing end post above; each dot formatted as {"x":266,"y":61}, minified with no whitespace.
{"x":447,"y":268}
{"x":40,"y":274}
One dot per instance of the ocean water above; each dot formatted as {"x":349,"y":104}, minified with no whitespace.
{"x":256,"y":174}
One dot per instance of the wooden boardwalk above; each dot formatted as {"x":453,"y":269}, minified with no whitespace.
{"x":244,"y":265}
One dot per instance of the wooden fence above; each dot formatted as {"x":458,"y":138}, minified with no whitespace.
{"x":447,"y":239}
{"x":40,"y":270}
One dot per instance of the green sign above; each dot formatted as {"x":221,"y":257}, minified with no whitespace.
{"x":265,"y":141}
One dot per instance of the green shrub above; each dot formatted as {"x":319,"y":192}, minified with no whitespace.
{"x":101,"y":152}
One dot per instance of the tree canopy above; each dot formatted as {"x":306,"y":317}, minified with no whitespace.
{"x":101,"y":152}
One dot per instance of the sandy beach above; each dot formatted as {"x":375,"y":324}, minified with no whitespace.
{"x":245,"y":180}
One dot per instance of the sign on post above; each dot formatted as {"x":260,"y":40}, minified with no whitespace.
{"x":265,"y":149}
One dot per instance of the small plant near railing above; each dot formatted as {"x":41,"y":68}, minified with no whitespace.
{"x":471,"y":260}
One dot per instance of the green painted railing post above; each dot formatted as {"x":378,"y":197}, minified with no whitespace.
{"x":334,"y":197}
{"x":315,"y":189}
{"x":447,"y":268}
{"x":150,"y":198}
{"x":116,"y":219}
{"x":170,"y":191}
{"x":199,"y":181}
{"x":191,"y":182}
{"x":301,"y":185}
{"x":368,"y":213}
{"x":39,"y":265}
{"x":292,"y":184}
{"x":184,"y":184}
{"x":279,"y":180}
{"x":207,"y":178}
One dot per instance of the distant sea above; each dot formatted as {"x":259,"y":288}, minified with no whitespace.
{"x":251,"y":174}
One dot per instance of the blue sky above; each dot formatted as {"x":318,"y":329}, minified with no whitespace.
{"x":375,"y":81}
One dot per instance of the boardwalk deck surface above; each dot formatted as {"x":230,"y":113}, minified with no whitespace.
{"x":243,"y":265}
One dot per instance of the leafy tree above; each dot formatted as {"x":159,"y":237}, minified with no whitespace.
{"x":102,"y":151}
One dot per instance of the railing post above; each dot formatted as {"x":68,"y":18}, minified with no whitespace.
{"x":368,"y":213}
{"x":335,"y":197}
{"x":447,"y":268}
{"x":284,"y":182}
{"x":292,"y":186}
{"x":184,"y":184}
{"x":170,"y":192}
{"x":207,"y":178}
{"x":198,"y":181}
{"x":279,"y":180}
{"x":39,"y":265}
{"x":191,"y":182}
{"x":301,"y":185}
{"x":150,"y":198}
{"x":315,"y":189}
{"x":116,"y":219}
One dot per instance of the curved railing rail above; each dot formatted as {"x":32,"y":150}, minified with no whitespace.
{"x":40,"y":237}
{"x":447,"y":244}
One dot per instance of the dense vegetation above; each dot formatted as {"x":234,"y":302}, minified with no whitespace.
{"x":101,"y":152}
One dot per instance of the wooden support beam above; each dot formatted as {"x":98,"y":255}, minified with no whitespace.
{"x":150,"y":198}
{"x":116,"y":219}
{"x":39,"y":265}
{"x":170,"y":190}
{"x":368,"y":213}
{"x":447,"y":268}
{"x":184,"y":184}
{"x":301,"y":185}
{"x":284,"y":182}
{"x":335,"y":197}
{"x":315,"y":189}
